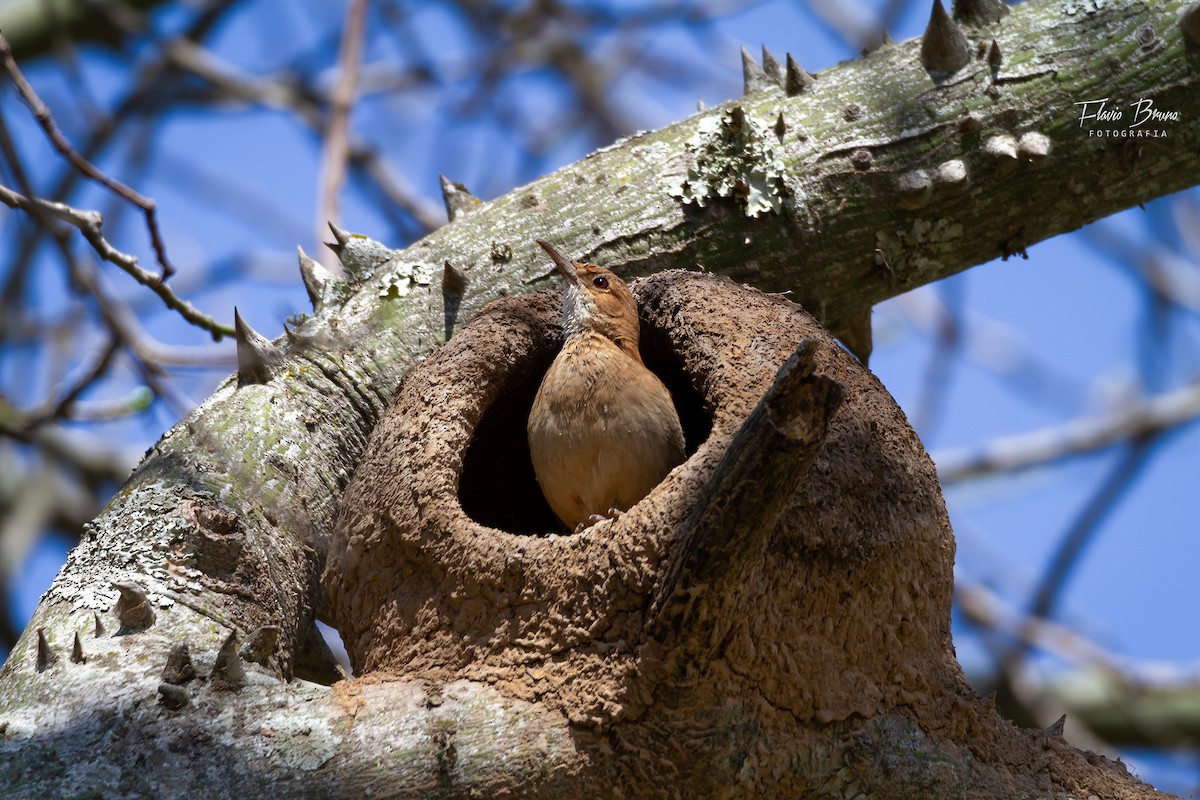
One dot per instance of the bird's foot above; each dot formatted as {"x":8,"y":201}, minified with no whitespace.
{"x":612,"y":513}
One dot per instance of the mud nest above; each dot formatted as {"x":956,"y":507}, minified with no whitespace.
{"x":822,"y":590}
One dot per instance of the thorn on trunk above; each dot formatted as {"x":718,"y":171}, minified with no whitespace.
{"x":256,"y":354}
{"x":228,"y":672}
{"x":1189,"y":21}
{"x":754,"y":79}
{"x":1002,"y":151}
{"x":454,"y":284}
{"x":798,"y":79}
{"x":944,"y":49}
{"x":914,"y":189}
{"x":77,"y":655}
{"x":315,"y":278}
{"x":1033,"y":147}
{"x":780,"y":126}
{"x":771,"y":66}
{"x":133,"y":606}
{"x":1055,"y":729}
{"x":172,"y":696}
{"x":341,"y":239}
{"x":459,"y":201}
{"x":179,"y":668}
{"x":99,"y":630}
{"x":46,"y":656}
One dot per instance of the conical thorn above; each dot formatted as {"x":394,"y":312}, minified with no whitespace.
{"x":46,"y":657}
{"x":179,"y":668}
{"x":1056,"y":728}
{"x":77,"y":655}
{"x":771,"y":66}
{"x":133,"y":606}
{"x":1033,"y":147}
{"x":341,"y":239}
{"x":1001,"y":150}
{"x":459,"y":201}
{"x":700,"y":104}
{"x":798,"y":78}
{"x":454,"y":284}
{"x":228,"y":672}
{"x":944,"y":49}
{"x":315,"y":278}
{"x":256,"y":354}
{"x":980,"y":12}
{"x":99,"y":629}
{"x":995,"y":57}
{"x":754,"y":79}
{"x":454,"y":280}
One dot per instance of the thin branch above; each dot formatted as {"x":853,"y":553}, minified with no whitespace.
{"x":1122,"y":477}
{"x":1105,"y":499}
{"x":337,"y":130}
{"x":935,"y":388}
{"x":984,"y":608}
{"x":65,"y":405}
{"x":42,"y":114}
{"x":1143,"y":420}
{"x":88,"y":223}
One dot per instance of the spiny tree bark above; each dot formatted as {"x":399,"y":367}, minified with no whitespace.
{"x":627,"y":656}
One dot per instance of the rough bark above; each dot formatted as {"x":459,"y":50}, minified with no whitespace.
{"x":601,"y":660}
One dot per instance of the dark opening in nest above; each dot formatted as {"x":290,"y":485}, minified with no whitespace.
{"x":498,"y":487}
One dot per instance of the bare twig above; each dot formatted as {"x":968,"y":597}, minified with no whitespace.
{"x":943,"y":360}
{"x":1037,"y":448}
{"x":337,"y":130}
{"x":64,"y":407}
{"x":88,"y":223}
{"x":42,"y":114}
{"x":982,"y":607}
{"x":1106,"y":497}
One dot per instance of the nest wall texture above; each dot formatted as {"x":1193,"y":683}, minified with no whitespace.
{"x":846,"y":613}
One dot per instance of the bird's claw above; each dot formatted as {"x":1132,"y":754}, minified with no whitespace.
{"x":612,"y":513}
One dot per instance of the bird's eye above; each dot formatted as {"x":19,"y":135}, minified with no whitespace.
{"x":600,"y":282}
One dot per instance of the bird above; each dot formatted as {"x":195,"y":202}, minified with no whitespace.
{"x":603,"y":430}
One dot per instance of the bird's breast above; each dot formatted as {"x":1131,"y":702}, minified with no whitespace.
{"x":603,"y":430}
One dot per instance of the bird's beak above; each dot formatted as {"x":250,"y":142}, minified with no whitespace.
{"x":564,"y":265}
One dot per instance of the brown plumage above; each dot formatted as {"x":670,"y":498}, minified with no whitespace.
{"x":603,"y":430}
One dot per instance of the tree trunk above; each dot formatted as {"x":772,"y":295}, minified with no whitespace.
{"x":773,"y":620}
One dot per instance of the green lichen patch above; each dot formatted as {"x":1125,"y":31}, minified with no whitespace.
{"x":733,"y":158}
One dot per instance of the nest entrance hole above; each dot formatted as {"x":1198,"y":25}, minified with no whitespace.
{"x":498,"y":488}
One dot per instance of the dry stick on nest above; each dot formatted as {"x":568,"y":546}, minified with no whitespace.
{"x":727,"y":532}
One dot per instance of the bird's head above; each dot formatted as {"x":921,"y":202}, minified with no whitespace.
{"x":595,"y":299}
